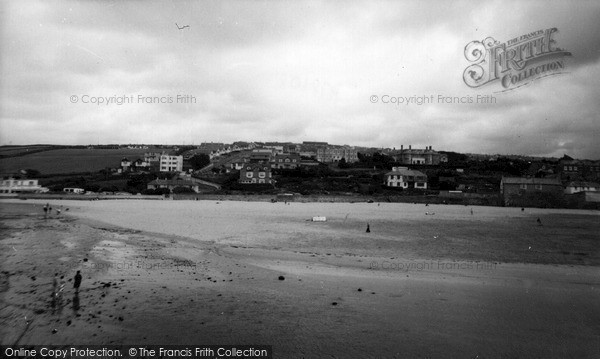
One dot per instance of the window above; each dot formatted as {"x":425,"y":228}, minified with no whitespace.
{"x":261,"y":175}
{"x":538,"y":186}
{"x":249,"y":174}
{"x":523,"y":186}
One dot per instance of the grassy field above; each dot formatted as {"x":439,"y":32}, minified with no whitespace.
{"x":69,"y":160}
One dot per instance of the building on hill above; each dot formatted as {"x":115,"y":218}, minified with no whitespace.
{"x":523,"y":191}
{"x":170,"y":163}
{"x":402,"y":177}
{"x":332,"y":154}
{"x":125,"y":165}
{"x":569,"y":169}
{"x":410,"y":156}
{"x":140,"y":165}
{"x":256,"y":172}
{"x":286,"y":160}
{"x":261,"y":155}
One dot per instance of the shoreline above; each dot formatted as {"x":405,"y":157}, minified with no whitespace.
{"x":487,"y":200}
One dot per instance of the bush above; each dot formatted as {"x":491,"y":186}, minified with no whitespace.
{"x":157,"y":191}
{"x":183,"y":190}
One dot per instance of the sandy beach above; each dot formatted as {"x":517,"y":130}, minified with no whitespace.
{"x":427,"y":281}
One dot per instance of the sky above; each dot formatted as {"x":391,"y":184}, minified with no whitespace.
{"x":94,"y":72}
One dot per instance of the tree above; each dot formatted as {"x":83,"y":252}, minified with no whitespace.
{"x":138,"y":183}
{"x":199,"y":161}
{"x":31,"y":173}
{"x":181,"y":189}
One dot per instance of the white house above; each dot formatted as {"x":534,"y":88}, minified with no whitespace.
{"x":405,"y":178}
{"x":11,"y":185}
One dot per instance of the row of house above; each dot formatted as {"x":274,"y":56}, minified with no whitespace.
{"x":153,"y":161}
{"x":216,"y":149}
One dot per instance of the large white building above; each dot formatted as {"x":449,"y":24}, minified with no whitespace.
{"x":170,"y":163}
{"x":11,"y":185}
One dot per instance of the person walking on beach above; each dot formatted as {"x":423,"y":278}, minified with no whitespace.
{"x":368,"y":228}
{"x":77,"y":281}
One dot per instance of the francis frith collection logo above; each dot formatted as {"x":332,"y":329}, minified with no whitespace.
{"x":516,"y":62}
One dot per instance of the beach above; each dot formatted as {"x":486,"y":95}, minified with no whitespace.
{"x":435,"y":281}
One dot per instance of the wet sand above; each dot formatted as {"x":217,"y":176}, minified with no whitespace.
{"x":444,"y":285}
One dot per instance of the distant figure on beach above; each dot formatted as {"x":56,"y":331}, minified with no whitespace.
{"x":58,"y":212}
{"x":368,"y":228}
{"x":471,"y":211}
{"x":522,"y":209}
{"x":426,"y":204}
{"x":77,"y":281}
{"x":539,"y":221}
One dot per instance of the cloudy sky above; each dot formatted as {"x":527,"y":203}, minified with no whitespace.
{"x":291,"y":71}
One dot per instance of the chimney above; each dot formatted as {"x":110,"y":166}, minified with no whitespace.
{"x":401,"y":147}
{"x":409,"y":147}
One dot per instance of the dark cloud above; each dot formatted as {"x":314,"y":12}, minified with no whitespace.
{"x":291,"y":71}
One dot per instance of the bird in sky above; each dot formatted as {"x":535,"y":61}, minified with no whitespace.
{"x":182,"y":27}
